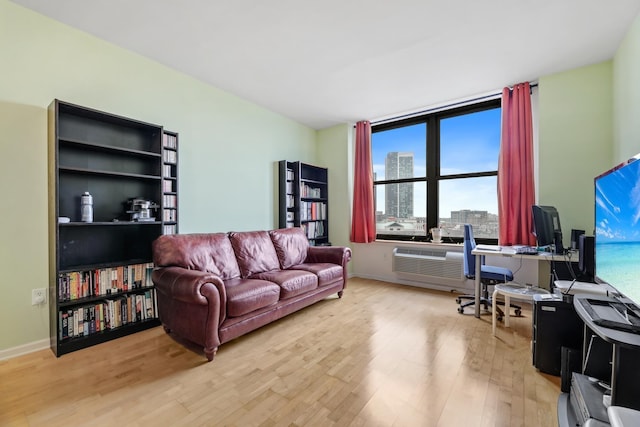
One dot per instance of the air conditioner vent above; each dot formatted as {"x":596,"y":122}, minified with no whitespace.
{"x":435,"y":263}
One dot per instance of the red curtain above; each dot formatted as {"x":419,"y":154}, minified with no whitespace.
{"x":363,"y":220}
{"x":516,"y":189}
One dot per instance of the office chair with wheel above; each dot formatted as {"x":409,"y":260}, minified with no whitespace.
{"x":489,"y":276}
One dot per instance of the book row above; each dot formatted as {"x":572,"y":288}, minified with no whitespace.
{"x":103,"y":281}
{"x":170,"y":141}
{"x":170,"y":156}
{"x":313,"y":230}
{"x":169,"y":229}
{"x":170,"y":200}
{"x":306,"y":191}
{"x":167,"y":171}
{"x":169,"y":215}
{"x":167,"y":186}
{"x":291,"y":201}
{"x":311,"y":211}
{"x":290,"y":175}
{"x":106,"y":315}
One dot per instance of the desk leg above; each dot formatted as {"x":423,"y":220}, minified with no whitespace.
{"x":507,"y":304}
{"x":494,"y":306}
{"x":477,"y":284}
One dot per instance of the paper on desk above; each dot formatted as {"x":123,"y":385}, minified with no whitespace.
{"x":489,"y":248}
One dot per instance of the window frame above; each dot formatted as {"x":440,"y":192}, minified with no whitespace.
{"x":433,"y":175}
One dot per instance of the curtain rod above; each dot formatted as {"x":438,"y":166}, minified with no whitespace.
{"x":445,"y":107}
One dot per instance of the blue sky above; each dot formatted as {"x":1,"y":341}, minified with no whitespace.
{"x":617,"y":197}
{"x":469,"y":143}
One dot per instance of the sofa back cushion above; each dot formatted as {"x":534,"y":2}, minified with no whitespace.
{"x":212,"y":253}
{"x":291,"y":246}
{"x":254,"y":252}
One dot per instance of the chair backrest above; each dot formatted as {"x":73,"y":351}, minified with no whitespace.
{"x":469,"y":258}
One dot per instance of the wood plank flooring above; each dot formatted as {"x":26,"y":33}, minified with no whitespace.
{"x":383,"y":355}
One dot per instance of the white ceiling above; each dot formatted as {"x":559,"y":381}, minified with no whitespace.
{"x":326,"y":62}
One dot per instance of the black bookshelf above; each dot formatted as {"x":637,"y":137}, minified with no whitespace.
{"x":303,"y":196}
{"x":115,"y":159}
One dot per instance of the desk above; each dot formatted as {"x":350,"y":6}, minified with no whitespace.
{"x":508,"y":251}
{"x":622,"y":368}
{"x":625,"y":376}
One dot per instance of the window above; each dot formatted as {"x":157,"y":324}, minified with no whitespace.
{"x":438,"y":170}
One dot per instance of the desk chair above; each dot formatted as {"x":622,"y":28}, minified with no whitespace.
{"x":489,"y":276}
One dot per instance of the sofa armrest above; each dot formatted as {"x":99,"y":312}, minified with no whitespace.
{"x":340,"y":255}
{"x":184,"y":284}
{"x":191,"y":287}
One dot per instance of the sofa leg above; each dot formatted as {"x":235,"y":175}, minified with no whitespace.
{"x":340,"y":294}
{"x":210,"y":353}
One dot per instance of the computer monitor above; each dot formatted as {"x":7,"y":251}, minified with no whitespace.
{"x":547,"y":229}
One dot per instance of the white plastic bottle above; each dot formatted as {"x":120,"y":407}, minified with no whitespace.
{"x":86,"y":207}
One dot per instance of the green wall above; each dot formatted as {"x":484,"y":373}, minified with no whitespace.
{"x":626,"y":89}
{"x":334,"y":152}
{"x":228,"y":146}
{"x":575,"y":141}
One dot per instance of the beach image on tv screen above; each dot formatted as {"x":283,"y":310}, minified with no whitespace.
{"x":617,"y":229}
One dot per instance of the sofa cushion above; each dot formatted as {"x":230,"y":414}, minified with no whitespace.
{"x":327,"y":273}
{"x":291,"y":245}
{"x":247,"y":295}
{"x":212,"y":253}
{"x":291,"y":282}
{"x":254,"y":252}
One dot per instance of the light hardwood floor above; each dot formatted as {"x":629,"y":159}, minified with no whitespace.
{"x":383,"y":355}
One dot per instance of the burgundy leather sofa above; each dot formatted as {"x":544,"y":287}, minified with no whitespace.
{"x":212,"y":288}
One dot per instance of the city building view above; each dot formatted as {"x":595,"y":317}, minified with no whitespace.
{"x":398,"y":201}
{"x":468,"y":148}
{"x":395,"y":204}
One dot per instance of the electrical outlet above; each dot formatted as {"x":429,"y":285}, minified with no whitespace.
{"x":38,"y":296}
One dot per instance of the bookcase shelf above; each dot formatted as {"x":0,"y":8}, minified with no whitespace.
{"x":76,"y":143}
{"x":108,"y":224}
{"x":304,"y":199}
{"x":99,"y":277}
{"x":63,"y":169}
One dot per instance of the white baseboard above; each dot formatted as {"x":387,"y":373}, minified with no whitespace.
{"x":24,"y":349}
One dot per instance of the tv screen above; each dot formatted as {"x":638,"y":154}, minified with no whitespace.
{"x":617,"y":228}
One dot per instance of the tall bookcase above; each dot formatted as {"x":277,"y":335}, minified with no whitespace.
{"x":170,"y":182}
{"x":99,"y":278}
{"x":303,"y":200}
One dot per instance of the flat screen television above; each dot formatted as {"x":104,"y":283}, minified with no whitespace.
{"x":547,"y":229}
{"x":617,"y":245}
{"x":617,"y":228}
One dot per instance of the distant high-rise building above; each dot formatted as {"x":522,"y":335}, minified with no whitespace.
{"x":399,"y":197}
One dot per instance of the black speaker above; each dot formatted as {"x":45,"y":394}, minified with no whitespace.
{"x":575,"y":238}
{"x":586,"y":263}
{"x":557,"y":240}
